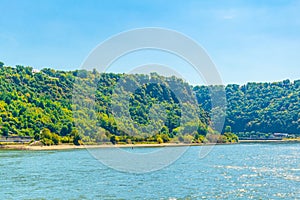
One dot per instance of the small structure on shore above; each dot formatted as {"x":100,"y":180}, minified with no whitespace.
{"x":16,"y":139}
{"x":282,"y":135}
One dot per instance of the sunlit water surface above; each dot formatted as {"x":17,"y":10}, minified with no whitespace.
{"x":242,"y":171}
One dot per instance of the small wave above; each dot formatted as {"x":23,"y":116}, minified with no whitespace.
{"x":230,"y":167}
{"x":295,"y":169}
{"x":248,"y":175}
{"x":292,"y":178}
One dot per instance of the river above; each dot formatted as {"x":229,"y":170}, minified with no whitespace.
{"x":241,"y":171}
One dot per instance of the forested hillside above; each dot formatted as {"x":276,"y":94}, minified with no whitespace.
{"x":39,"y":104}
{"x":259,"y":107}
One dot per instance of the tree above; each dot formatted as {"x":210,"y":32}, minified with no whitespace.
{"x":46,"y":137}
{"x":165,"y":137}
{"x":45,"y":133}
{"x":76,"y":137}
{"x":114,"y":139}
{"x":55,"y":138}
{"x":1,"y":64}
{"x":159,"y":140}
{"x":64,"y":131}
{"x":202,"y":130}
{"x":222,"y":139}
{"x":188,"y":139}
{"x":164,"y":130}
{"x":5,"y":131}
{"x":228,"y":129}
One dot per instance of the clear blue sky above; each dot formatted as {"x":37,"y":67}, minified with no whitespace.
{"x":247,"y":40}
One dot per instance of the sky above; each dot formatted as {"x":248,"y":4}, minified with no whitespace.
{"x":248,"y":41}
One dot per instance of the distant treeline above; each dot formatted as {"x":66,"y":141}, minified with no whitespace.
{"x":258,"y":107}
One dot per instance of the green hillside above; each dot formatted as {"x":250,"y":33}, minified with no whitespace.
{"x":258,"y":108}
{"x":39,"y":104}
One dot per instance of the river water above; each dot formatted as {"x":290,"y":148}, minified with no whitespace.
{"x":241,"y":171}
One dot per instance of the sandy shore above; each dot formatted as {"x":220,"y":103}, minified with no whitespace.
{"x":70,"y":146}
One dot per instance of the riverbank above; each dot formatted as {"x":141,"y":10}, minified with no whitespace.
{"x":71,"y":146}
{"x":269,"y":141}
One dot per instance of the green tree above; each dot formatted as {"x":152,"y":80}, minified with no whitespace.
{"x":114,"y":139}
{"x":228,"y":129}
{"x":159,"y":140}
{"x":46,"y":137}
{"x":55,"y":138}
{"x":64,"y":131}
{"x":5,"y":131}
{"x":76,"y":137}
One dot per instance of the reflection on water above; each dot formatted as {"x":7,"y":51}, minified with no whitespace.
{"x":244,"y":171}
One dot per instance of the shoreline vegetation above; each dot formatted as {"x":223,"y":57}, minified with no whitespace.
{"x":28,"y":147}
{"x":40,"y":108}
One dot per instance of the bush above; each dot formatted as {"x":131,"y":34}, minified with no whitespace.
{"x":180,"y":138}
{"x":55,"y":138}
{"x":128,"y":141}
{"x":222,"y":139}
{"x":48,"y":138}
{"x":159,"y":140}
{"x":5,"y":131}
{"x":65,"y":139}
{"x":47,"y":142}
{"x":114,"y":139}
{"x":188,"y":139}
{"x":231,"y":137}
{"x":201,"y":139}
{"x":165,"y":138}
{"x":212,"y":138}
{"x":45,"y":133}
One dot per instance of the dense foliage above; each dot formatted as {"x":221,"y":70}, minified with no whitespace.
{"x":258,"y":107}
{"x":39,"y":104}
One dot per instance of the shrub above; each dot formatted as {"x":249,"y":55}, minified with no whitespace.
{"x":47,"y":142}
{"x":188,"y":139}
{"x":159,"y":140}
{"x":128,"y":141}
{"x":65,"y":139}
{"x":55,"y":138}
{"x":48,"y":138}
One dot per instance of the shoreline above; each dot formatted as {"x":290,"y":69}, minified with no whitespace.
{"x":71,"y":146}
{"x":269,"y":141}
